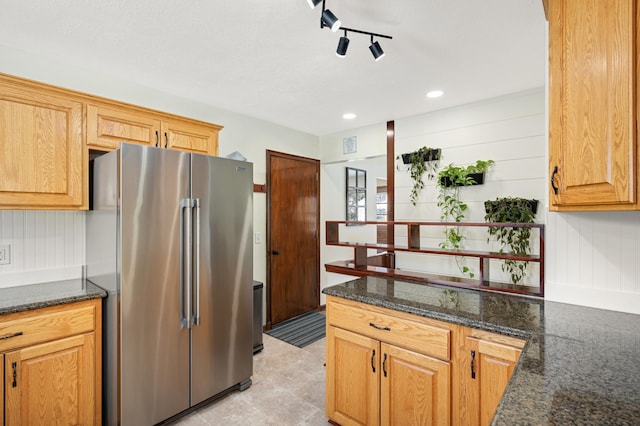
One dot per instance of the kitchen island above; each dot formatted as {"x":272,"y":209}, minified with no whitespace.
{"x":579,"y":365}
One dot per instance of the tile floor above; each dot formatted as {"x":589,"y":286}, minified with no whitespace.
{"x":288,"y":389}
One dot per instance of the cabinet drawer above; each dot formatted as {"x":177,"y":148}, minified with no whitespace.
{"x":413,"y":335}
{"x":42,"y":325}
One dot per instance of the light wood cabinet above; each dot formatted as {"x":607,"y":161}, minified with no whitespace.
{"x":52,"y":365}
{"x":110,"y":124}
{"x":107,"y":127}
{"x":46,"y":134}
{"x":353,"y":379}
{"x":43,"y":163}
{"x":593,"y":78}
{"x":392,"y":368}
{"x":487,"y":362}
{"x":379,"y":371}
{"x":415,"y":388}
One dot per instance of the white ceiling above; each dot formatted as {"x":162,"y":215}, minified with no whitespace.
{"x":269,"y":59}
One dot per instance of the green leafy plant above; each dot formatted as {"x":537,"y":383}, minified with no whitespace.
{"x":462,"y":176}
{"x":512,"y":240}
{"x":424,"y":160}
{"x":452,"y":208}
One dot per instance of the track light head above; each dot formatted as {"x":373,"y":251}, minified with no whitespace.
{"x":313,"y":3}
{"x":331,"y":20}
{"x":343,"y":44}
{"x":376,"y":50}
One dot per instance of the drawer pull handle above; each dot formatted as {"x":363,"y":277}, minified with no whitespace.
{"x":377,"y":327}
{"x":473,"y":366}
{"x":373,"y":356}
{"x":15,"y":374}
{"x":9,"y":336}
{"x":384,"y":365}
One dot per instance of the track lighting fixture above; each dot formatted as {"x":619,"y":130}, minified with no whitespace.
{"x":329,"y":20}
{"x":343,"y":44}
{"x":376,"y":50}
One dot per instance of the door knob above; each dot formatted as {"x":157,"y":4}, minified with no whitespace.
{"x":275,"y":252}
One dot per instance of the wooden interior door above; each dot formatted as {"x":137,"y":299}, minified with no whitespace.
{"x":293,"y":225}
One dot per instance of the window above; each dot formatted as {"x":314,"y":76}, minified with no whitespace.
{"x":356,"y":195}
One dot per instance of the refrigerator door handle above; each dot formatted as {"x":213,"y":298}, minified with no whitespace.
{"x":186,"y":233}
{"x":196,"y":266}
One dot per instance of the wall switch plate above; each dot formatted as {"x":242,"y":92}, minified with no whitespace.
{"x":5,"y":254}
{"x":258,"y":237}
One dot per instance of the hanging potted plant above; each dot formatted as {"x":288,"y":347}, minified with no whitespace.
{"x":473,"y":174}
{"x":425,"y":160}
{"x":452,"y":208}
{"x":512,"y":240}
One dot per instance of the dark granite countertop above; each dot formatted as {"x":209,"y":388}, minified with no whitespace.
{"x":33,"y":296}
{"x":580,"y":366}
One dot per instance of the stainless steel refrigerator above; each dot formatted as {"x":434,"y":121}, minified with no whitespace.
{"x":169,"y":236}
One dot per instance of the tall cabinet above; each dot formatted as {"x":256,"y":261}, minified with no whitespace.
{"x":593,"y":111}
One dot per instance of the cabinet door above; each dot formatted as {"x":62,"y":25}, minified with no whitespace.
{"x":415,"y":388}
{"x":107,"y":127}
{"x":42,"y":160}
{"x":52,"y":383}
{"x":353,"y":380}
{"x":489,"y":367}
{"x":592,"y":105}
{"x":190,"y":136}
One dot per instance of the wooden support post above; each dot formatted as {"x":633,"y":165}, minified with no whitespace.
{"x":484,"y":271}
{"x":332,"y":233}
{"x":359,"y":256}
{"x":414,"y":236}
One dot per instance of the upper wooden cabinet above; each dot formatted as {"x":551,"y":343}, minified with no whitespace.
{"x":593,"y":152}
{"x":189,"y":136}
{"x":46,"y":134}
{"x":108,"y":125}
{"x":43,"y":163}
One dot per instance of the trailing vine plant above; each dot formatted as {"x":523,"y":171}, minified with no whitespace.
{"x":424,"y":160}
{"x":512,"y":240}
{"x":452,"y":208}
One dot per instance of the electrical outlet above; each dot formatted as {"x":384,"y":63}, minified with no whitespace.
{"x":5,"y":254}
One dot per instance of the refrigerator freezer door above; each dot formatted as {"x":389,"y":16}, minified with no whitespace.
{"x":154,"y":344}
{"x":222,"y":338}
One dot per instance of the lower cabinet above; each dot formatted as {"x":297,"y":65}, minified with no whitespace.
{"x":52,"y":365}
{"x":371,"y":380}
{"x":391,"y":368}
{"x":490,"y":366}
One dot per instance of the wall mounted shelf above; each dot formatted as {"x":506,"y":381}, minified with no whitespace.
{"x":360,"y":265}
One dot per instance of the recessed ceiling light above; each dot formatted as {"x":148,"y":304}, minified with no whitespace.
{"x":435,"y":94}
{"x":349,"y":116}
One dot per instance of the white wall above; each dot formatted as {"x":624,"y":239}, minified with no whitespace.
{"x":370,"y":156}
{"x":42,"y":241}
{"x":509,"y":130}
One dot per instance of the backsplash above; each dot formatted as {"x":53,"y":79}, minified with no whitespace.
{"x":45,"y":245}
